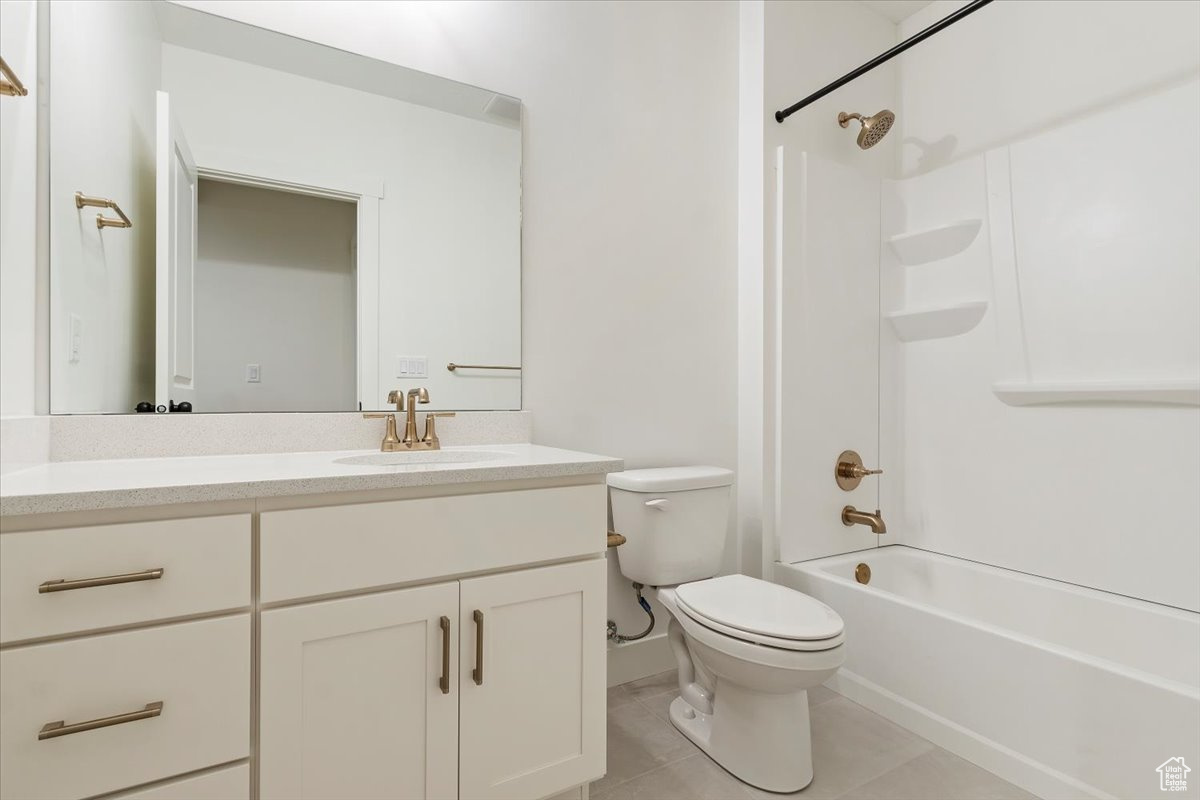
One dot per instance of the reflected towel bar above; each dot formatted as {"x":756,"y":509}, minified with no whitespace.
{"x":452,"y":366}
{"x":102,"y":221}
{"x":11,"y":85}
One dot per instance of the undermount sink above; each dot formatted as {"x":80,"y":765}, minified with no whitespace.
{"x":402,"y":459}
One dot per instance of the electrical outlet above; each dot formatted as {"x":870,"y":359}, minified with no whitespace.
{"x":253,"y":373}
{"x":412,"y":367}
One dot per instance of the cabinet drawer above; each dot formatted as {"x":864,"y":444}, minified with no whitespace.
{"x":205,"y":565}
{"x":199,"y":672}
{"x":231,"y":783}
{"x":314,"y":551}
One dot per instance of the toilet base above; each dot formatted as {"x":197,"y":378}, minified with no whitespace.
{"x":761,"y":739}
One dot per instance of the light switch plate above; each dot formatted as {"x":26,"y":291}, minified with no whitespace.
{"x":75,"y":338}
{"x":412,"y":367}
{"x":253,"y":373}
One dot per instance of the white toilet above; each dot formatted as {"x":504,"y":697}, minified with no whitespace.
{"x":748,"y":650}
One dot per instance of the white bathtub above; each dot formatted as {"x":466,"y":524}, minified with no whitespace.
{"x":1065,"y":691}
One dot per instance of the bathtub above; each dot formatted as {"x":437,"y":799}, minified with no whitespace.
{"x":1062,"y":690}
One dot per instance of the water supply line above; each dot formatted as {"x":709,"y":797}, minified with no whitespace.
{"x":614,"y":636}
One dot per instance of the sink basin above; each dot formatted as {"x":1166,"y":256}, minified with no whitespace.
{"x":420,"y":457}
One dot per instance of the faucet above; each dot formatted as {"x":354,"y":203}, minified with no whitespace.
{"x":410,"y":422}
{"x":852,"y":516}
{"x":392,"y":441}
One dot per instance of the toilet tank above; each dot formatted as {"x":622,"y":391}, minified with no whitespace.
{"x":674,"y":520}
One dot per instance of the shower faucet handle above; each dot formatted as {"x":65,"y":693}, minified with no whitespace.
{"x":850,"y":471}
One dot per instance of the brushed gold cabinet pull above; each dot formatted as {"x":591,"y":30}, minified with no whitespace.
{"x":63,"y":585}
{"x":477,"y":673}
{"x":445,"y":681}
{"x":52,"y":730}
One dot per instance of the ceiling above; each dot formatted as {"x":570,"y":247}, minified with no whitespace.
{"x":895,"y":10}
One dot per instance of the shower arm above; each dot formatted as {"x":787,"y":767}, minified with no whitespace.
{"x":940,"y":25}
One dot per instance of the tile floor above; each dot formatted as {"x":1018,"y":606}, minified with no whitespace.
{"x":857,"y":754}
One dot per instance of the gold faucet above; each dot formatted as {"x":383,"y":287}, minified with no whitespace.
{"x":391,"y":440}
{"x":410,"y":422}
{"x":852,"y":516}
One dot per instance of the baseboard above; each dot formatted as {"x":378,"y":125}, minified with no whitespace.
{"x":632,"y":660}
{"x":1022,"y":771}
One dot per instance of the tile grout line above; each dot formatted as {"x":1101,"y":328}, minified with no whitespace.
{"x":616,"y":786}
{"x":847,"y":795}
{"x":647,"y":709}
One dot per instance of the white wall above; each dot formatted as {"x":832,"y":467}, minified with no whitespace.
{"x":449,"y":220}
{"x":629,"y":207}
{"x":274,"y":287}
{"x":1088,"y":260}
{"x":105,"y":61}
{"x":1017,"y":67}
{"x":18,"y":210}
{"x":821,"y":288}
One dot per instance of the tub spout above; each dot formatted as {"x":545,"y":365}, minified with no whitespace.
{"x":852,"y":516}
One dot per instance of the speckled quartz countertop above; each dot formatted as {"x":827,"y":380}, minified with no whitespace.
{"x":132,"y":482}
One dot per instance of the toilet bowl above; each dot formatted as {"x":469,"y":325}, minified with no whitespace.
{"x":752,"y":716}
{"x":747,"y":650}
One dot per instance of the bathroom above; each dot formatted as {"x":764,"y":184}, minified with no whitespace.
{"x":450,"y":321}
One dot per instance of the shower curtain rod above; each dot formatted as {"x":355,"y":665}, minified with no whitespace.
{"x":946,"y":22}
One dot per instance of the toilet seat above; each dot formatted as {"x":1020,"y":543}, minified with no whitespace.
{"x":764,"y":613}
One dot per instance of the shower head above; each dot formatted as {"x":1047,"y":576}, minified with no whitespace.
{"x":874,"y":128}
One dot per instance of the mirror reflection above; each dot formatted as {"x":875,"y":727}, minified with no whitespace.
{"x":310,"y":228}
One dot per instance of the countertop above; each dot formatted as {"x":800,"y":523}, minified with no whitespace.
{"x":132,"y":482}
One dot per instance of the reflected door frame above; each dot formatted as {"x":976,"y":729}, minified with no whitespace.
{"x":366,"y":193}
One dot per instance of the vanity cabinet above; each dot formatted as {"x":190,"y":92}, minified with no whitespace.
{"x":385,"y":695}
{"x":443,"y":642}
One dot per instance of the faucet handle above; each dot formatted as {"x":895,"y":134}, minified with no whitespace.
{"x":431,"y":426}
{"x":850,"y":471}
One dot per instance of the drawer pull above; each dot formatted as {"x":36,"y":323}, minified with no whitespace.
{"x":64,"y":585}
{"x":445,"y":681}
{"x":53,"y":730}
{"x":477,"y":673}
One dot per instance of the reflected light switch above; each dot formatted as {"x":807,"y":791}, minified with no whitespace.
{"x":75,"y":337}
{"x":412,"y":367}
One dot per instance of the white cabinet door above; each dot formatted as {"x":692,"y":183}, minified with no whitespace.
{"x":353,"y":702}
{"x":533,"y":681}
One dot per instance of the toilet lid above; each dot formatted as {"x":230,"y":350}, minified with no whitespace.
{"x":742,"y":603}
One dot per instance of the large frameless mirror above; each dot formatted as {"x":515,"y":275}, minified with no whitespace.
{"x":245,"y":221}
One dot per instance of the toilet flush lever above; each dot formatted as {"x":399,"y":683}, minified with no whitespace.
{"x":659,"y":503}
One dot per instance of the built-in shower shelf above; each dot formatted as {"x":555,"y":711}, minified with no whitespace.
{"x":1174,"y":393}
{"x":921,"y":247}
{"x":937,"y":323}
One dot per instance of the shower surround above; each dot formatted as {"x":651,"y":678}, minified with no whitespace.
{"x":1008,"y":326}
